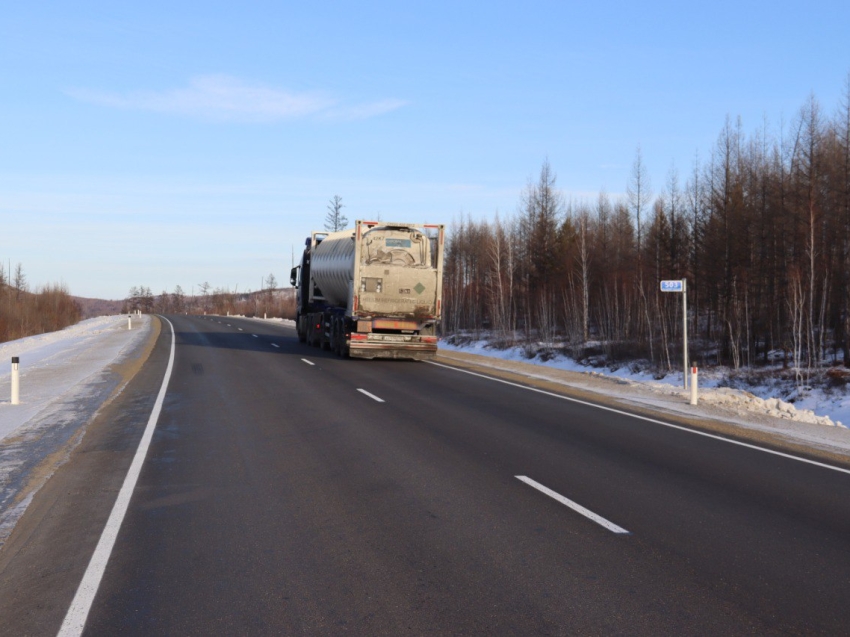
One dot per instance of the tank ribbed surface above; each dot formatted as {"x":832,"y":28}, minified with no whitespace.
{"x":332,"y":266}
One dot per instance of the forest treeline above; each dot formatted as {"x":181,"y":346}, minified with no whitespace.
{"x":760,"y":230}
{"x":270,"y":302}
{"x":25,"y":313}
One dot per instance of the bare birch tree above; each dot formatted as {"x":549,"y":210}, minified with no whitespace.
{"x":583,"y":261}
{"x":639,"y":194}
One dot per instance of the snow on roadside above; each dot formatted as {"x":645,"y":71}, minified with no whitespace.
{"x":64,"y":380}
{"x":279,"y":321}
{"x":815,"y":407}
{"x":55,"y":362}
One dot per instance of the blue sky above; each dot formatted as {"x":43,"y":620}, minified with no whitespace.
{"x":165,"y":143}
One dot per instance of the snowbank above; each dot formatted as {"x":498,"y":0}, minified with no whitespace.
{"x":749,"y":407}
{"x":52,"y":364}
{"x":279,"y":321}
{"x":64,"y":379}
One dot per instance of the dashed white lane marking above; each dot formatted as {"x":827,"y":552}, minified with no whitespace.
{"x":75,"y":619}
{"x":372,"y":396}
{"x":647,"y":419}
{"x":229,"y":325}
{"x":574,"y":506}
{"x":239,"y":328}
{"x":275,"y":345}
{"x":308,"y":362}
{"x":255,"y":336}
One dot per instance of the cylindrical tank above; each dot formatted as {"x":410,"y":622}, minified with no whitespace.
{"x":332,"y":266}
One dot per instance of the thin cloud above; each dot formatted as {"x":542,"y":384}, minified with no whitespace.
{"x":226,"y":98}
{"x":364,"y":111}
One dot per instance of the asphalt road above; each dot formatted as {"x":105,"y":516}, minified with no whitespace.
{"x":287,"y":491}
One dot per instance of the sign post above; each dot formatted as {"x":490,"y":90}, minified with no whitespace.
{"x":681,"y":287}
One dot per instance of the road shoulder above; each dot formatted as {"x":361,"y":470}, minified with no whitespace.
{"x":44,"y":558}
{"x":805,"y":440}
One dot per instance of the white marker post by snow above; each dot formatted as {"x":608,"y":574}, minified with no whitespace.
{"x":694,"y":390}
{"x":16,"y":382}
{"x":129,"y":322}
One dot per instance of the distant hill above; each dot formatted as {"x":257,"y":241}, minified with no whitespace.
{"x":97,"y":307}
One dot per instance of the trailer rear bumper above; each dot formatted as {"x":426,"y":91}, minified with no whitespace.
{"x":413,"y":350}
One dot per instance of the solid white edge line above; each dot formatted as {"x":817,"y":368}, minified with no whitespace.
{"x":75,"y":619}
{"x":647,"y":419}
{"x":372,"y":396}
{"x":308,"y":362}
{"x":574,"y":506}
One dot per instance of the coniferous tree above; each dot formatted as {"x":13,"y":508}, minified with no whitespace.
{"x":335,"y":220}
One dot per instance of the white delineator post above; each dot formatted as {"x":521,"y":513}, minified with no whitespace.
{"x":129,"y":322}
{"x":694,"y":390}
{"x":16,"y":382}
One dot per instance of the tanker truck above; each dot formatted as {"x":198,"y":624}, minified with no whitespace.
{"x":372,"y":292}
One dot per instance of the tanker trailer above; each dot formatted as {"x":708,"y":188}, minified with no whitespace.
{"x":372,"y":292}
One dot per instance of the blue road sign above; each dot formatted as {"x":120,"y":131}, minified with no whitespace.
{"x":672,"y":286}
